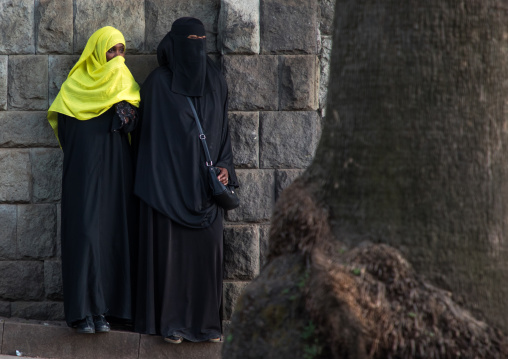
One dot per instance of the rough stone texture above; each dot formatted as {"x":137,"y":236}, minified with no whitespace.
{"x":58,"y":228}
{"x":288,"y":139}
{"x":141,"y":66}
{"x":326,"y":51}
{"x":5,"y":311}
{"x":54,"y":26}
{"x":283,"y":178}
{"x":3,"y":82}
{"x":38,"y":310}
{"x":327,"y":10}
{"x":244,"y":131}
{"x":53,"y":279}
{"x":15,"y":175}
{"x":241,"y":252}
{"x":232,"y":291}
{"x":36,"y":230}
{"x":52,"y":341}
{"x":59,"y":68}
{"x":28,"y":82}
{"x":289,"y":26}
{"x":8,"y":218}
{"x":160,"y":15}
{"x":299,"y":82}
{"x":264,"y":235}
{"x":256,"y":195}
{"x":153,"y":347}
{"x":17,"y":27}
{"x":126,"y":16}
{"x":47,"y":174}
{"x":252,"y":81}
{"x":25,"y":129}
{"x":239,"y":27}
{"x":21,"y":280}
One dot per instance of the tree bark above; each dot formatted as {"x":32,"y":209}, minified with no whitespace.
{"x":414,"y":151}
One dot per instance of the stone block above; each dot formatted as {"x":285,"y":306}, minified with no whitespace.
{"x":244,"y":131}
{"x":289,"y":26}
{"x":232,"y":291}
{"x":160,"y":15}
{"x":62,"y":342}
{"x":59,"y":68}
{"x":264,"y":236}
{"x":299,"y":82}
{"x":256,"y":195}
{"x":283,"y":178}
{"x":53,"y":279}
{"x":36,"y":230}
{"x":324,"y":78}
{"x":8,"y":220}
{"x":252,"y":81}
{"x":141,"y":66}
{"x":153,"y":347}
{"x":28,"y":82}
{"x":5,"y":311}
{"x":26,"y":129}
{"x":3,"y":81}
{"x":239,"y":27}
{"x":21,"y":280}
{"x":241,"y":252}
{"x":288,"y":139}
{"x":46,"y":174}
{"x":38,"y":310}
{"x":15,"y":175}
{"x":17,"y":27}
{"x":327,"y":10}
{"x":126,"y":16}
{"x":54,"y":26}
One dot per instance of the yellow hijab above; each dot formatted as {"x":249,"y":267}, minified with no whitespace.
{"x":95,"y":84}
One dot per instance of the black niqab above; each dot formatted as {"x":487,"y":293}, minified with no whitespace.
{"x":185,"y":57}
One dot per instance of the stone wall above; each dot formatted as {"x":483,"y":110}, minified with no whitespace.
{"x":274,"y":55}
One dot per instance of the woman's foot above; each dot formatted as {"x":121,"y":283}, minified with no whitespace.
{"x":215,"y":340}
{"x":85,"y":326}
{"x":173,"y":339}
{"x":100,"y":324}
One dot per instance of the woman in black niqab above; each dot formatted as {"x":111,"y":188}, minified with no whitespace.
{"x":181,"y":251}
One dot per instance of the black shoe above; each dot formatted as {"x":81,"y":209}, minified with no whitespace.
{"x":85,"y":326}
{"x":100,"y":324}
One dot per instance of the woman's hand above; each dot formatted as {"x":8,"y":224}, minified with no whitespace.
{"x":223,"y":176}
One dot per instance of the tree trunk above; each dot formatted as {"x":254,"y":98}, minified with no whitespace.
{"x":413,"y":156}
{"x":414,"y":151}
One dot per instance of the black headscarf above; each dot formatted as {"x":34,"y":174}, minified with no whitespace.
{"x":185,"y":57}
{"x":171,"y":174}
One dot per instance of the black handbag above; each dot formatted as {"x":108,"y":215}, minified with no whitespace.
{"x":223,"y":196}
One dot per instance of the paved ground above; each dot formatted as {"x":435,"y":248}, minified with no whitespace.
{"x":55,"y":340}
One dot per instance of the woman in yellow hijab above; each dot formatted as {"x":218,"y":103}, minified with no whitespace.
{"x":92,"y":115}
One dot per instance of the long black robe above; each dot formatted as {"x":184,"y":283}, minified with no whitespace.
{"x":98,"y":218}
{"x":180,"y":262}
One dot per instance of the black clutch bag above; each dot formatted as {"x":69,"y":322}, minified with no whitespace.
{"x":224,"y":196}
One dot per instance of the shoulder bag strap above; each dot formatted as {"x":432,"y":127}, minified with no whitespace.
{"x":202,"y":136}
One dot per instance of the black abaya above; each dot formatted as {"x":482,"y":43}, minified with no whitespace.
{"x":97,"y":218}
{"x":180,"y":256}
{"x":180,"y":278}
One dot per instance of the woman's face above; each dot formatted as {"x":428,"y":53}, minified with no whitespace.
{"x":117,"y":50}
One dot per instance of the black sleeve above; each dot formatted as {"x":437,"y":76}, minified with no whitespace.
{"x":126,"y":117}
